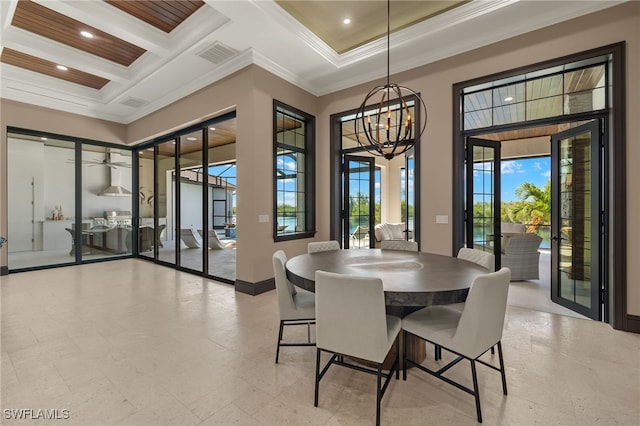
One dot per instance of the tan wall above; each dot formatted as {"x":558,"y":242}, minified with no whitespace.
{"x":435,"y":81}
{"x":250,"y":92}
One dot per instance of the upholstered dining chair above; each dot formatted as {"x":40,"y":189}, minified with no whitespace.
{"x":319,"y":246}
{"x":483,"y":258}
{"x":296,"y":307}
{"x":398,"y":245}
{"x":468,"y":334}
{"x":351,"y":321}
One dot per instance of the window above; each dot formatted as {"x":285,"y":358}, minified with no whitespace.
{"x":554,"y":92}
{"x":294,"y":175}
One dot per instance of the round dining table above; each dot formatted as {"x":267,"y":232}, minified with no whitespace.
{"x":408,"y":278}
{"x":411,"y":280}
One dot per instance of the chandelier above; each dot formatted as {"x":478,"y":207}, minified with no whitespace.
{"x":388,"y":130}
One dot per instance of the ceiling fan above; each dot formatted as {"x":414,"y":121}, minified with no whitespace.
{"x":106,"y":162}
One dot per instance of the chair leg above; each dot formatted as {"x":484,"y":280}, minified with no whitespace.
{"x":398,"y":357}
{"x":279,"y":340}
{"x":404,"y":355}
{"x":378,"y":394}
{"x":502,"y":372}
{"x":476,"y":393}
{"x":315,"y":400}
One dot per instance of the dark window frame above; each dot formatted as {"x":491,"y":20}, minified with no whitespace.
{"x":309,"y":168}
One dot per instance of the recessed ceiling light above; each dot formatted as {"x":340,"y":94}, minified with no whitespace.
{"x":86,"y":34}
{"x":192,"y":139}
{"x":508,"y":99}
{"x":43,"y":139}
{"x":212,"y":128}
{"x":62,"y":67}
{"x":346,"y":21}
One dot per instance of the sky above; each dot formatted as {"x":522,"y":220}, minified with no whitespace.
{"x":514,"y":172}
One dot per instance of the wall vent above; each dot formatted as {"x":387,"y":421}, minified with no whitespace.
{"x":134,"y":102}
{"x":217,"y":53}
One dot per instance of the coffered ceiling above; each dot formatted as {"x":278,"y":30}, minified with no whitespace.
{"x":143,"y":55}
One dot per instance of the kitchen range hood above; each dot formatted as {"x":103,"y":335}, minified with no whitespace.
{"x":114,"y":189}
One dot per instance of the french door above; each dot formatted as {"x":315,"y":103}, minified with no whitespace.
{"x":577,"y":225}
{"x":358,"y":203}
{"x":483,"y":196}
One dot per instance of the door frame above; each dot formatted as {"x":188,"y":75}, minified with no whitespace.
{"x":615,"y":136}
{"x":470,"y":192}
{"x":346,"y":235}
{"x":335,"y":174}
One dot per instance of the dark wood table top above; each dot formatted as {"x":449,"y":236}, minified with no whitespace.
{"x":409,"y":278}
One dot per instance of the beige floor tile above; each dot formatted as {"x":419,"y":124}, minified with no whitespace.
{"x":145,"y":345}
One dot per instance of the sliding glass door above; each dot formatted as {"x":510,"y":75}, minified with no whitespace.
{"x":68,"y":201}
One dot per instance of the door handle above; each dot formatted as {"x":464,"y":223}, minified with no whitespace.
{"x":555,"y":238}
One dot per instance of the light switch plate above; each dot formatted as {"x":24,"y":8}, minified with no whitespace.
{"x":263,"y":218}
{"x":442,"y":218}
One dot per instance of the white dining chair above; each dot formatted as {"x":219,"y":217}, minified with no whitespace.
{"x":352,"y":322}
{"x":468,"y":334}
{"x":483,"y":258}
{"x":399,"y":245}
{"x":296,"y":307}
{"x":320,"y":246}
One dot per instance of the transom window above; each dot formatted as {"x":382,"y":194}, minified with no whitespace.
{"x":571,"y":89}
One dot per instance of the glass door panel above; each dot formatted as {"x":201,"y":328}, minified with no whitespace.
{"x":41,"y":201}
{"x":359,"y":202}
{"x":409,"y":207}
{"x":575,"y":245}
{"x":191,"y":181}
{"x":164,"y":199}
{"x":106,"y":203}
{"x":483,"y":196}
{"x":146,"y":205}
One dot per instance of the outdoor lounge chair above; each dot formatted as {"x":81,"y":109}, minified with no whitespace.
{"x":360,"y":236}
{"x":190,"y":238}
{"x":214,"y":241}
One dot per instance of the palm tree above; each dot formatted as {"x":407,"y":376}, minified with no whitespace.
{"x":533,"y":206}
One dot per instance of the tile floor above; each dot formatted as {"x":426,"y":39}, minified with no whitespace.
{"x":132,"y":343}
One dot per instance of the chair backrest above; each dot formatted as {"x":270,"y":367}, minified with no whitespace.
{"x":350,"y":315}
{"x":482,"y":319}
{"x":284,"y":288}
{"x":483,"y":258}
{"x":398,"y":245}
{"x":361,"y":232}
{"x":319,"y":246}
{"x":521,"y":243}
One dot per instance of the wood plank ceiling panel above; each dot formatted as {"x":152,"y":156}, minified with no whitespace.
{"x":32,"y":63}
{"x":45,"y":22}
{"x":165,"y":15}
